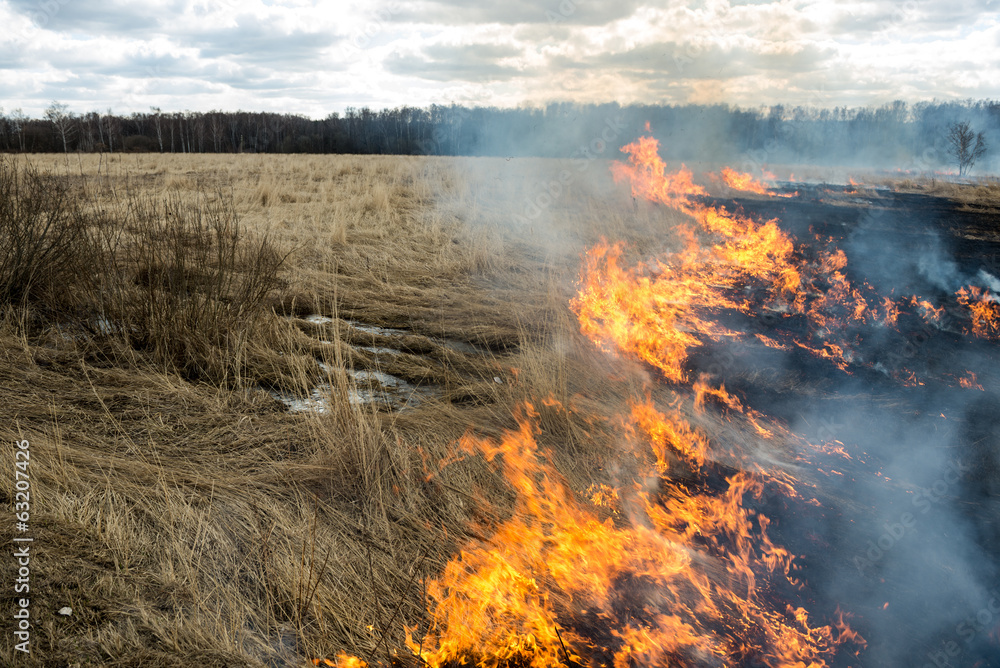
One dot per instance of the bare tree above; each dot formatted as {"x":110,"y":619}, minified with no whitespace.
{"x":157,"y":120}
{"x":215,"y":125}
{"x":17,"y":121}
{"x":112,"y":125}
{"x":62,"y":119}
{"x":966,"y":146}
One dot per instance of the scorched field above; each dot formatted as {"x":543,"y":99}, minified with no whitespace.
{"x":406,"y":411}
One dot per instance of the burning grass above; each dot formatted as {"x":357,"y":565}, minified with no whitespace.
{"x":551,"y":502}
{"x":185,"y":515}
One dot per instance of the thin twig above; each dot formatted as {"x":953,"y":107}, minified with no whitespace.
{"x":569,"y":663}
{"x":400,"y":604}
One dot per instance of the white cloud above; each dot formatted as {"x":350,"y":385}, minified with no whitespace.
{"x":313,"y":57}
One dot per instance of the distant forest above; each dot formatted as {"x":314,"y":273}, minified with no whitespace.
{"x":900,"y":135}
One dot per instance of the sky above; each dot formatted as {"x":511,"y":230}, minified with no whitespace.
{"x":317,"y":57}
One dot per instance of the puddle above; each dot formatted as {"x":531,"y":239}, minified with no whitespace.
{"x":453,"y":344}
{"x":377,"y":387}
{"x":360,"y":326}
{"x":370,"y":388}
{"x":316,"y":402}
{"x":374,"y":387}
{"x":379,"y":350}
{"x":375,"y":329}
{"x":105,"y":326}
{"x":460,"y":346}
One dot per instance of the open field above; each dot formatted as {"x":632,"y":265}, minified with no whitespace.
{"x":185,"y":515}
{"x":188,"y":516}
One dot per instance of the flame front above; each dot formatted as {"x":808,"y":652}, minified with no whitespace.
{"x":677,"y":575}
{"x":727,"y":256}
{"x":674,"y":584}
{"x":676,"y":565}
{"x":747,"y":183}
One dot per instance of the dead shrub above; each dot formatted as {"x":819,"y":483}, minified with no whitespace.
{"x":41,"y":229}
{"x":185,"y":284}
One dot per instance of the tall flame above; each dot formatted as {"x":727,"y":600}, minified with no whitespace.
{"x":725,"y":255}
{"x":677,"y":575}
{"x":675,"y":566}
{"x":677,"y":583}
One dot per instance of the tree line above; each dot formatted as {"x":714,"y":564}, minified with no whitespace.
{"x":891,"y":134}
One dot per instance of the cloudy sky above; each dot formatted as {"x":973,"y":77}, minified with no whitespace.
{"x":313,"y":57}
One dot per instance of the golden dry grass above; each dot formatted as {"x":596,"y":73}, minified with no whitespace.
{"x":980,"y":194}
{"x":189,"y":518}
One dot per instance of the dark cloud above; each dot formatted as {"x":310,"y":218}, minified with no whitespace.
{"x":11,"y":59}
{"x":926,"y":16}
{"x":470,"y":62}
{"x":258,"y":80}
{"x":938,"y":14}
{"x":255,"y":39}
{"x":128,"y":65}
{"x":861,"y":23}
{"x":98,"y":17}
{"x":252,"y":38}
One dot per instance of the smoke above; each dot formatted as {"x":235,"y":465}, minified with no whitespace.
{"x":903,"y":532}
{"x":989,"y":280}
{"x":905,"y":536}
{"x":907,"y":540}
{"x":941,"y":272}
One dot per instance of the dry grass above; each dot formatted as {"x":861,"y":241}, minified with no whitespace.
{"x":978,"y":194}
{"x":183,"y":513}
{"x":189,"y":518}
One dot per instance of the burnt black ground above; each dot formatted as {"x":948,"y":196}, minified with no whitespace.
{"x":906,"y":535}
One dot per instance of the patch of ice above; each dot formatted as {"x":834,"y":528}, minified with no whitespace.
{"x":370,"y":388}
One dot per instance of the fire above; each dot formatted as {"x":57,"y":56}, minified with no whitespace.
{"x":741,"y":181}
{"x":685,"y":570}
{"x":677,"y":583}
{"x":985,"y":310}
{"x":678,"y":577}
{"x":661,"y":316}
{"x":745,"y":182}
{"x":654,"y":316}
{"x":344,"y":660}
{"x":970,"y":382}
{"x":982,"y":310}
{"x":930,"y":312}
{"x":655,"y":186}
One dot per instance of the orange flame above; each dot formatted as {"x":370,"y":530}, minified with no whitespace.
{"x":653,"y":317}
{"x":344,"y":660}
{"x":685,"y":574}
{"x":660,"y":316}
{"x":742,"y":181}
{"x":970,"y":382}
{"x":554,"y":572}
{"x":745,"y":182}
{"x":985,"y":310}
